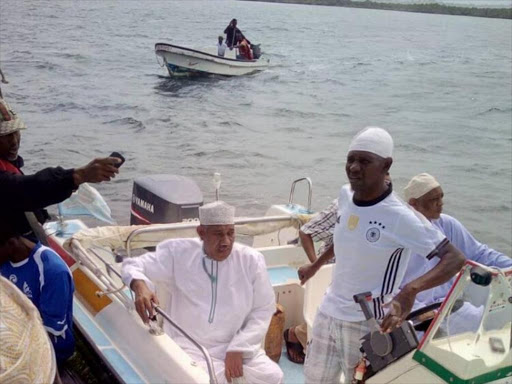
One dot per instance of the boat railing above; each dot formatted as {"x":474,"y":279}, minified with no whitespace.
{"x":192,"y":225}
{"x":109,"y":285}
{"x":310,"y":190}
{"x":88,"y":263}
{"x":203,"y":350}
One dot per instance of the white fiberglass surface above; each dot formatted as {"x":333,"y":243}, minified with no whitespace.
{"x":473,"y":334}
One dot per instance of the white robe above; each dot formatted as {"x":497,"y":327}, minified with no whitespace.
{"x":225,"y":306}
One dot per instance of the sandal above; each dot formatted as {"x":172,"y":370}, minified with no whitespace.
{"x":294,"y":346}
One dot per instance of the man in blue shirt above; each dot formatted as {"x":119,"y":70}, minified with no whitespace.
{"x":46,"y":280}
{"x":424,"y":193}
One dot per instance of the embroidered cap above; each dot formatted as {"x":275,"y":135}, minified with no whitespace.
{"x":420,"y":185}
{"x":375,"y":140}
{"x":217,"y":213}
{"x":9,"y":120}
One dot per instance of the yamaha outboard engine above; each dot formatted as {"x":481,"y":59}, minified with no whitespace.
{"x":158,"y":199}
{"x":256,"y":51}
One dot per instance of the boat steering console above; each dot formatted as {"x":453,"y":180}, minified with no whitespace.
{"x":382,"y":349}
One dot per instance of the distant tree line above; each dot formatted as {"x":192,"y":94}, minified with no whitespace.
{"x":500,"y":13}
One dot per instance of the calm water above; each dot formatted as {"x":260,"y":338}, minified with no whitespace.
{"x":462,"y":3}
{"x":84,"y":77}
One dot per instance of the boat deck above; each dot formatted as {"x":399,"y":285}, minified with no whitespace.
{"x":293,"y":373}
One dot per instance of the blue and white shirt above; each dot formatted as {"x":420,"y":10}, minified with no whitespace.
{"x":46,"y":280}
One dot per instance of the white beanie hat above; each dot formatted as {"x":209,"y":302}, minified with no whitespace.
{"x":375,"y":140}
{"x":217,"y":213}
{"x":420,"y":185}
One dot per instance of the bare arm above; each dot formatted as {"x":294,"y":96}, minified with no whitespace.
{"x":307,"y":243}
{"x":307,"y":271}
{"x":451,"y":262}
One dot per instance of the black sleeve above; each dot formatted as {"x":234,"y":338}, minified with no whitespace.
{"x":28,"y":193}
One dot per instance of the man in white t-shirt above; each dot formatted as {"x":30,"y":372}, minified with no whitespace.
{"x":221,"y":47}
{"x":374,"y":235}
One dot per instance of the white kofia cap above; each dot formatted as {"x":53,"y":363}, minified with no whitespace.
{"x":375,"y":140}
{"x":217,"y":213}
{"x":420,"y":185}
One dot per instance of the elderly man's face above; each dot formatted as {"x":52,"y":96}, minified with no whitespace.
{"x":9,"y":146}
{"x":430,"y":204}
{"x":218,"y":240}
{"x":365,"y":170}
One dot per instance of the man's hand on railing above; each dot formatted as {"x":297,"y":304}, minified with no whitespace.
{"x":233,"y":365}
{"x":143,"y":299}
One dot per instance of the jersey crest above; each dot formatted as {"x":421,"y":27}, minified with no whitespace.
{"x":373,"y":233}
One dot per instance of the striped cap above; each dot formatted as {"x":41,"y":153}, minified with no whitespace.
{"x":9,"y":120}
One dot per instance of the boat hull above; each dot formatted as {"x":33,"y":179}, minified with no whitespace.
{"x":184,"y":61}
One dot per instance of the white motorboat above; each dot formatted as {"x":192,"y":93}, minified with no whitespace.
{"x":104,"y":310}
{"x":184,"y":61}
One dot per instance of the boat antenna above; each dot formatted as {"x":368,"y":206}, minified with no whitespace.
{"x":216,"y":183}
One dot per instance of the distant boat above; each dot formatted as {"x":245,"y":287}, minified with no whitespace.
{"x":184,"y":61}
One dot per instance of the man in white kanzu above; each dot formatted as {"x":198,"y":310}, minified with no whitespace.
{"x":220,"y":295}
{"x":374,"y":235}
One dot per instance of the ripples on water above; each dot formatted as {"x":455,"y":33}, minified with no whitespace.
{"x":84,"y":77}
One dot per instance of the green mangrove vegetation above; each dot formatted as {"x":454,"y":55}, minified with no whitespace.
{"x":501,"y":13}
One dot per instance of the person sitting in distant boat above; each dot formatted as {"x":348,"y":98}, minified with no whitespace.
{"x":231,"y":31}
{"x":244,"y":48}
{"x":221,"y":47}
{"x":46,"y":280}
{"x":221,"y":296}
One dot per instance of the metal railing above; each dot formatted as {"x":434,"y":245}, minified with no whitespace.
{"x":310,"y":190}
{"x":110,"y":268}
{"x":204,"y":351}
{"x":90,"y":266}
{"x":164,"y":228}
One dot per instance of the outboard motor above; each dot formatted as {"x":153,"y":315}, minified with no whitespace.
{"x":256,"y":51}
{"x":160,"y":199}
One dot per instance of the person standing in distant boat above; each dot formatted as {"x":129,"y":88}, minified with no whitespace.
{"x":221,"y":47}
{"x":231,"y":31}
{"x":4,"y":80}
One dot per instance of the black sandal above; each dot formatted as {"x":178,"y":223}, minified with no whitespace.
{"x":297,"y":347}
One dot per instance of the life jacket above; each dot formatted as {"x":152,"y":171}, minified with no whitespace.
{"x":6,"y":166}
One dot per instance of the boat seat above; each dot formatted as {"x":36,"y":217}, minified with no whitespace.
{"x":282,"y":275}
{"x":314,"y":293}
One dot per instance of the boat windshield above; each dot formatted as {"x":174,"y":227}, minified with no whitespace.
{"x":470,"y":341}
